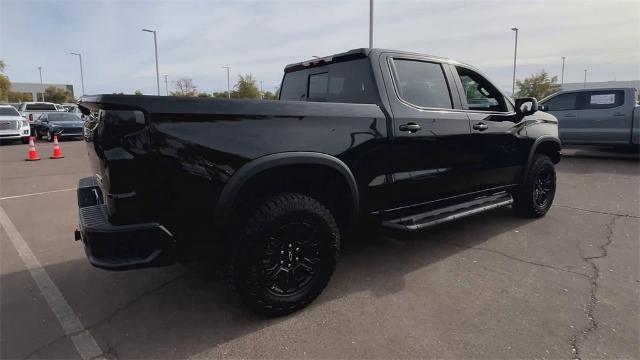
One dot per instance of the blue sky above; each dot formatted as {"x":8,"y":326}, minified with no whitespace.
{"x":197,"y":38}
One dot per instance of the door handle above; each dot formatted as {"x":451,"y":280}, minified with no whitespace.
{"x":568,"y":115}
{"x":618,"y":114}
{"x":480,"y":126}
{"x":410,"y":127}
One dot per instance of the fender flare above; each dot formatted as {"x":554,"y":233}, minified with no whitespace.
{"x":539,"y":141}
{"x":249,"y":170}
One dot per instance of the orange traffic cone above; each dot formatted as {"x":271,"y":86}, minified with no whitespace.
{"x":32,"y":155}
{"x":57,"y":154}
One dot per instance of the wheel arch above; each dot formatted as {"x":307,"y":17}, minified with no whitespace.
{"x":547,"y":145}
{"x":262,"y":165}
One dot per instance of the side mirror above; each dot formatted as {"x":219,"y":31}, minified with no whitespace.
{"x":526,"y":106}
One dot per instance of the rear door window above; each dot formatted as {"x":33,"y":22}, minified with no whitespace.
{"x":422,"y":83}
{"x":562,"y":102}
{"x":602,"y":99}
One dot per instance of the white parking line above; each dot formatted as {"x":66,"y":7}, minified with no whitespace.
{"x":84,"y":342}
{"x":34,"y":194}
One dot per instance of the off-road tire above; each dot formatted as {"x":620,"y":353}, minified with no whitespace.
{"x":524,"y":197}
{"x":257,"y":233}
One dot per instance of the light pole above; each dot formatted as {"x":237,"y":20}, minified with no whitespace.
{"x":562,"y":76}
{"x":41,"y":84}
{"x":261,"y":93}
{"x":228,"y":83}
{"x":370,"y":24}
{"x":515,"y":54}
{"x":155,"y":45}
{"x":81,"y":72}
{"x":166,"y":85}
{"x":584,"y":84}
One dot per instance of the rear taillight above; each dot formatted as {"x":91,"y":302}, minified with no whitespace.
{"x":30,"y":117}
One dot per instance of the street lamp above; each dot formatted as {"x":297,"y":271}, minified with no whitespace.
{"x":81,"y":72}
{"x":155,"y":44}
{"x":166,"y":85}
{"x":584,"y":84}
{"x":261,"y":93}
{"x":370,"y":24}
{"x":515,"y":54}
{"x":41,"y":84}
{"x":228,"y":83}
{"x":562,"y":76}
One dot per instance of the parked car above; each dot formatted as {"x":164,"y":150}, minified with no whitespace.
{"x":270,"y":187}
{"x":67,"y":106}
{"x":12,"y":125}
{"x":31,"y":110}
{"x":62,"y":124}
{"x":596,"y":116}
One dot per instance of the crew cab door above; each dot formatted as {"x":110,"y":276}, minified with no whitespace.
{"x":428,"y":156}
{"x":498,"y":146}
{"x":603,"y":117}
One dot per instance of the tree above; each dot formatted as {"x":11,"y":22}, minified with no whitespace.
{"x":137,"y":92}
{"x":57,"y":95}
{"x":204,"y":95}
{"x":185,"y":87}
{"x":538,"y":86}
{"x":5,"y":84}
{"x":220,"y":95}
{"x":246,"y":88}
{"x":269,"y":96}
{"x":14,"y":96}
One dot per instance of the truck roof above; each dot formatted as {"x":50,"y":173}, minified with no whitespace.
{"x":351,"y":55}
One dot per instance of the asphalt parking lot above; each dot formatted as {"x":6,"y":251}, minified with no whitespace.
{"x":490,"y":286}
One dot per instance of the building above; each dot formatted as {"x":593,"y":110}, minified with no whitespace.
{"x":601,"y":85}
{"x":35,"y":89}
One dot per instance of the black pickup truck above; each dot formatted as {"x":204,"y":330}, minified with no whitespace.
{"x":405,"y":139}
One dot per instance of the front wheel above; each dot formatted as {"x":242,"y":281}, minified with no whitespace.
{"x":535,"y":196}
{"x":284,"y":254}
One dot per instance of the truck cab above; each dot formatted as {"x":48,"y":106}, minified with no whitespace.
{"x":608,"y":116}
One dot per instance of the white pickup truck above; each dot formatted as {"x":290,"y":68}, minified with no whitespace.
{"x":596,"y":116}
{"x":32,"y":110}
{"x":12,"y":125}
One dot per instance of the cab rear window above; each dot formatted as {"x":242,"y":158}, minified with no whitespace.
{"x":343,"y":82}
{"x":40,"y":107}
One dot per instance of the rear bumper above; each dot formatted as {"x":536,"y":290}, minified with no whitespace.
{"x":119,"y":247}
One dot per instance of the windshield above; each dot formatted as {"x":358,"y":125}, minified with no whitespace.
{"x":63,"y":117}
{"x":9,"y":111}
{"x":41,"y":106}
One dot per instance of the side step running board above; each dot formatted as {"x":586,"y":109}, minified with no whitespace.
{"x":450,"y":213}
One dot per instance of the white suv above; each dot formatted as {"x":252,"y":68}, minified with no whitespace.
{"x":13,"y":126}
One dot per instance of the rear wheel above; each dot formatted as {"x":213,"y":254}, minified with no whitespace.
{"x":535,"y":196}
{"x":285,"y":253}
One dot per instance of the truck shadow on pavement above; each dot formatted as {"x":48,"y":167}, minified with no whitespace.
{"x":185,"y":310}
